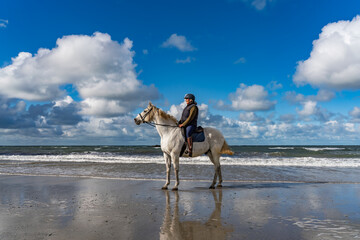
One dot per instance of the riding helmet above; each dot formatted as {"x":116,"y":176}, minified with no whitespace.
{"x":190,"y":96}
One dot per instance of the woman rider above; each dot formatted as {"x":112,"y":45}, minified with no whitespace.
{"x":189,"y":119}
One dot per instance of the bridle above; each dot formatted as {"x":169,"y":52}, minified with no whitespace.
{"x":153,"y":124}
{"x":143,"y":117}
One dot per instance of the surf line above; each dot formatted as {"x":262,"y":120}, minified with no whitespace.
{"x":185,"y":180}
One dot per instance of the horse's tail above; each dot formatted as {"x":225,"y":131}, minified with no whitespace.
{"x":226,"y":149}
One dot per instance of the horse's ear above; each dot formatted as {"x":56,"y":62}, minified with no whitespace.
{"x":150,"y":104}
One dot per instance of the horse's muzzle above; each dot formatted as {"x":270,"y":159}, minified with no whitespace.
{"x":137,"y":122}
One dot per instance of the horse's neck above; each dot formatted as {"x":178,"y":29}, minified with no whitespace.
{"x":164,"y":130}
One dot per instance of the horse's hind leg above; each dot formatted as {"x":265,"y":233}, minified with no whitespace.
{"x":168,"y":168}
{"x":220,"y":176}
{"x":215,"y":160}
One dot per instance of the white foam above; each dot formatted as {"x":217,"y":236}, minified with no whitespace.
{"x":323,"y":149}
{"x":328,"y":228}
{"x":203,"y":160}
{"x":281,"y":148}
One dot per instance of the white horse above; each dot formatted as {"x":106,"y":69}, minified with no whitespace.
{"x":172,"y":142}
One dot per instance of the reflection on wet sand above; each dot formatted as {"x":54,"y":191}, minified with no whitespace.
{"x":173,"y":228}
{"x":89,"y":209}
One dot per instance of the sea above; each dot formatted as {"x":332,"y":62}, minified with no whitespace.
{"x":313,"y":164}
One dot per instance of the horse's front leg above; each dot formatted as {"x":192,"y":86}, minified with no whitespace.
{"x":175,"y":158}
{"x":168,"y":168}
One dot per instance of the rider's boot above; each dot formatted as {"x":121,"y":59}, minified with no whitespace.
{"x":190,"y":145}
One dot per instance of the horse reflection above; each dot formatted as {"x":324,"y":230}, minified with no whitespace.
{"x":172,"y":228}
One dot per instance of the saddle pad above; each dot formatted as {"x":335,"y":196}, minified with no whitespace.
{"x":198,"y":137}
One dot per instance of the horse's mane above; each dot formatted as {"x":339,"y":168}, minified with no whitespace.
{"x":166,"y":115}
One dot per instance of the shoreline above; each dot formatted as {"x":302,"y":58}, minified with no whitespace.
{"x":53,"y":207}
{"x":172,"y":180}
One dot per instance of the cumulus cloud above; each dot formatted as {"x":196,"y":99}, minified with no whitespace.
{"x":324,"y":95}
{"x":101,"y":70}
{"x":309,"y":109}
{"x":321,"y":96}
{"x":180,"y":42}
{"x":249,"y":117}
{"x":355,"y":114}
{"x":37,"y":120}
{"x":11,"y":114}
{"x":64,"y":112}
{"x":334,"y":61}
{"x":251,"y":98}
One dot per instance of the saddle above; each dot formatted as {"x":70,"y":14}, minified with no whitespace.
{"x":198,"y":136}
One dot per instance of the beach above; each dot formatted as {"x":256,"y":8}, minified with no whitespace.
{"x":54,"y":207}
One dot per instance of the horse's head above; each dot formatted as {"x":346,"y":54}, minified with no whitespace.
{"x":145,"y":116}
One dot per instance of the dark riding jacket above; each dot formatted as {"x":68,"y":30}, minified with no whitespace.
{"x":190,"y":115}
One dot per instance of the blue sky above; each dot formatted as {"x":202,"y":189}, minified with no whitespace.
{"x":263,"y":71}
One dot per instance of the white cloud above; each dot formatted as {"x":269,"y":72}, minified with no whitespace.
{"x":102,"y":107}
{"x":274,"y":85}
{"x":64,"y":102}
{"x":324,"y":95}
{"x":249,"y":117}
{"x":100,"y":69}
{"x":321,"y":96}
{"x":176,"y":110}
{"x":179,"y":42}
{"x":260,"y":4}
{"x":334,"y":61}
{"x":241,"y":60}
{"x":3,"y":23}
{"x":312,"y":111}
{"x":251,"y":98}
{"x":355,"y":113}
{"x":309,"y":109}
{"x":186,"y":60}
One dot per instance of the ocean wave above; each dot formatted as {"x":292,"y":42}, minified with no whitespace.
{"x":281,"y":148}
{"x":202,"y":160}
{"x":317,"y":149}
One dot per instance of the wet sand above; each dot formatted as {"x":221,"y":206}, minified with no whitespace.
{"x":39,"y":207}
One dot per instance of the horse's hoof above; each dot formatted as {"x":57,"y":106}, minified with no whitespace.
{"x":164,"y":188}
{"x":175,"y":189}
{"x":211,"y":187}
{"x":219,"y":186}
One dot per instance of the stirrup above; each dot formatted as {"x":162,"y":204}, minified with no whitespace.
{"x":187,"y":151}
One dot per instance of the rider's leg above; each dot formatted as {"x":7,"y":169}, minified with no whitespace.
{"x":189,"y":131}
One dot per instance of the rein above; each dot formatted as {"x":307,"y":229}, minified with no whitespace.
{"x":153,"y":124}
